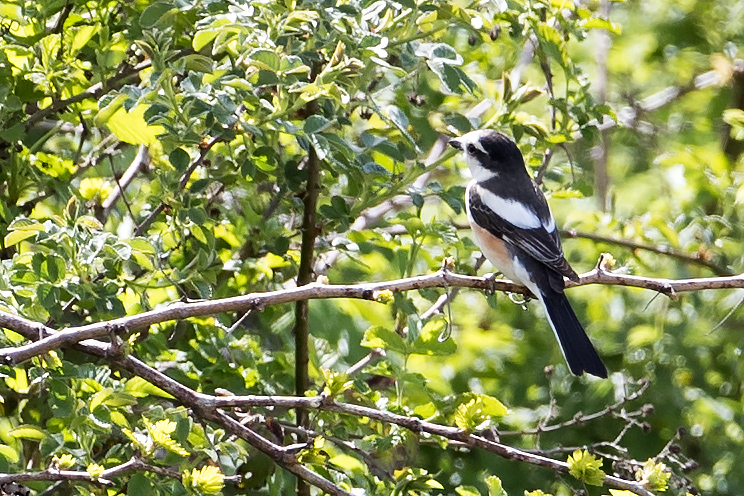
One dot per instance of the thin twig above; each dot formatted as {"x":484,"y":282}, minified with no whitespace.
{"x":581,"y":418}
{"x":694,"y":258}
{"x":203,"y":150}
{"x":140,"y":160}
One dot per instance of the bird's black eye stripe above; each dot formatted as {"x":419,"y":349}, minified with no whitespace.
{"x":471,"y":149}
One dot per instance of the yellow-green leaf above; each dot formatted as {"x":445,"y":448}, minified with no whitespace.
{"x":131,"y":127}
{"x":347,"y":462}
{"x":28,"y":432}
{"x":586,"y":467}
{"x":15,"y":237}
{"x":8,"y":453}
{"x":98,"y":398}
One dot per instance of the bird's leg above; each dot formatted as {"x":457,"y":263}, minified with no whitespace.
{"x":491,"y":281}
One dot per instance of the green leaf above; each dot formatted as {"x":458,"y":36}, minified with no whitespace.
{"x":117,"y":400}
{"x":81,"y":35}
{"x":140,"y":484}
{"x":467,"y":491}
{"x":15,"y":237}
{"x":586,"y":467}
{"x":552,"y":43}
{"x":492,"y":406}
{"x":141,"y":245}
{"x":9,"y":453}
{"x":99,"y":397}
{"x":348,"y":463}
{"x":428,"y":342}
{"x":198,"y":233}
{"x":382,"y":337}
{"x":264,"y":59}
{"x":140,"y":388}
{"x":28,"y":432}
{"x":494,"y":486}
{"x":198,"y":63}
{"x":598,"y":23}
{"x":316,"y":124}
{"x":131,"y":127}
{"x":439,"y":51}
{"x":398,"y":117}
{"x":48,"y":295}
{"x":53,"y":269}
{"x":154,"y":13}
{"x":180,"y":159}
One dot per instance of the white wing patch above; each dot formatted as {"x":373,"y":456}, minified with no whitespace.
{"x":549,"y":223}
{"x":514,"y":212}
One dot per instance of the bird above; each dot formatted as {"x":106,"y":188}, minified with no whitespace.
{"x":514,"y":228}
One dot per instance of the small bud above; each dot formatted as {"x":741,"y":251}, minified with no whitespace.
{"x":448,"y":264}
{"x":690,"y":466}
{"x":383,"y":296}
{"x":494,"y":32}
{"x":95,"y":470}
{"x":65,"y":461}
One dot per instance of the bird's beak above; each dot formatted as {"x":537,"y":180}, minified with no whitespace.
{"x":455,"y":143}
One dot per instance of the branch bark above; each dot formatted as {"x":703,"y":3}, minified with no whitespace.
{"x":51,"y":474}
{"x":693,"y":258}
{"x":417,"y":425}
{"x":94,"y":92}
{"x":202,"y":405}
{"x":211,"y":408}
{"x":52,"y":340}
{"x":304,"y":277}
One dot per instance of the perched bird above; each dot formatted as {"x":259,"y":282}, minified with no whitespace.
{"x":515,"y":230}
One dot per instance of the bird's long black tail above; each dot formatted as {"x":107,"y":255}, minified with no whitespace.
{"x":578,"y":350}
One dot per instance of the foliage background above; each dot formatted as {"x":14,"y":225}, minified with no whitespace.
{"x":222,"y":109}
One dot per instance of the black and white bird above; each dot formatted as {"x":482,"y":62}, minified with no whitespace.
{"x":516,"y":231}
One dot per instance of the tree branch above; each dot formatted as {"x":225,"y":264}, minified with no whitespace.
{"x":305,"y":276}
{"x":628,"y":116}
{"x":93,"y":92}
{"x":367,"y":291}
{"x":416,"y":425}
{"x":582,"y":418}
{"x":209,"y":407}
{"x":202,"y":405}
{"x":51,"y":474}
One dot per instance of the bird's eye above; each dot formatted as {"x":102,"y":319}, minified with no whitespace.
{"x":471,"y":149}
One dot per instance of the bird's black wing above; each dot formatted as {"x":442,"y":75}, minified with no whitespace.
{"x":538,"y":243}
